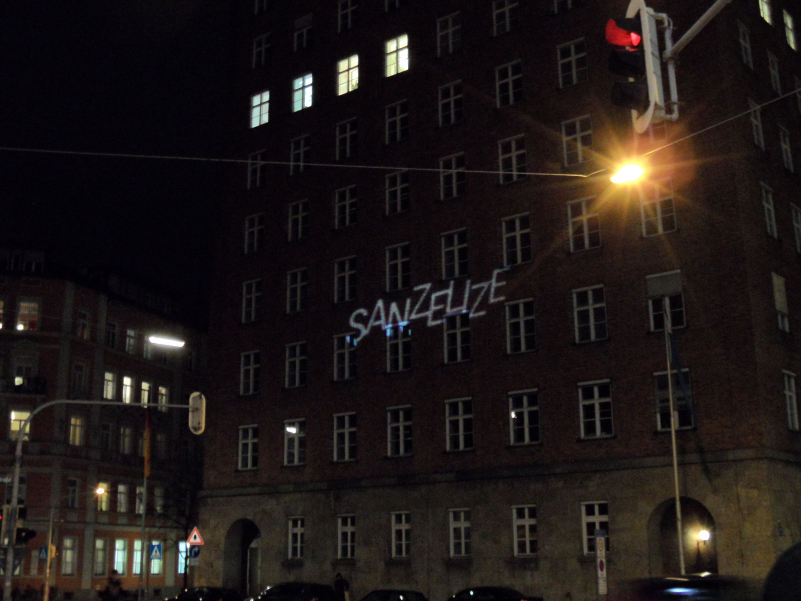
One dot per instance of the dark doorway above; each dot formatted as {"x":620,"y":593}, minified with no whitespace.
{"x":238,"y":561}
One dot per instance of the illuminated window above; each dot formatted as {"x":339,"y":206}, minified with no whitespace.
{"x":460,"y":535}
{"x":28,"y":316}
{"x":347,"y":74}
{"x":295,"y":442}
{"x":397,"y":55}
{"x":69,"y":557}
{"x":109,"y":386}
{"x":594,"y":516}
{"x":77,"y":430}
{"x":345,"y":437}
{"x":302,"y":88}
{"x":147,"y":388}
{"x":122,"y":498}
{"x":295,"y":376}
{"x":101,"y":557}
{"x":121,"y":556}
{"x":136,"y":564}
{"x":260,"y":109}
{"x":164,"y":398}
{"x":524,"y":522}
{"x":449,"y":34}
{"x":104,"y":500}
{"x":399,"y":431}
{"x":127,"y":389}
{"x":789,"y":30}
{"x":16,"y":420}
{"x":764,"y":11}
{"x":156,"y":563}
{"x":183,"y":556}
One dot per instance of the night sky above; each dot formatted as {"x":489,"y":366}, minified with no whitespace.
{"x":114,"y":76}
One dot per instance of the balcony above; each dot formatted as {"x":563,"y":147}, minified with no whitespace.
{"x":17,"y":385}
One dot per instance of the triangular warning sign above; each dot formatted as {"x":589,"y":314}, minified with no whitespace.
{"x":195,"y":538}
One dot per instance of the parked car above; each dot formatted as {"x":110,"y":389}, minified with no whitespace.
{"x":492,"y":593}
{"x":206,"y":593}
{"x":394,"y":595}
{"x":296,"y":591}
{"x":696,"y":587}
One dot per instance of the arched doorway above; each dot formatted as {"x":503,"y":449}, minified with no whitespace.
{"x":699,"y":538}
{"x":240,"y":557}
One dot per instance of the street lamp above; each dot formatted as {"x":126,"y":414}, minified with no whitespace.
{"x":628,"y":173}
{"x":703,"y":536}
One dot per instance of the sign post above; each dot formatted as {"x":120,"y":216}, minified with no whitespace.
{"x":600,"y":562}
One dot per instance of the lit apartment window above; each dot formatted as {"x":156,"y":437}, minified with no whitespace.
{"x":136,"y":563}
{"x":397,"y":192}
{"x":509,"y":84}
{"x":248,"y":447}
{"x":524,"y":417}
{"x":524,"y":523}
{"x":397,"y":122}
{"x":296,"y":290}
{"x":295,"y":442}
{"x":791,"y":400}
{"x":345,"y":202}
{"x":28,"y":316}
{"x":756,"y":124}
{"x":459,"y":424}
{"x":460,"y":536}
{"x":295,"y":376}
{"x":595,"y":405}
{"x":512,"y":159}
{"x":745,"y":45}
{"x":101,"y":557}
{"x":770,"y":212}
{"x":398,"y":267}
{"x":577,"y":140}
{"x":520,"y":336}
{"x":346,"y":134}
{"x":257,"y":167}
{"x":454,"y":254}
{"x":397,"y":55}
{"x":589,"y":313}
{"x":298,"y":226}
{"x":16,"y":420}
{"x":345,"y":437}
{"x":259,"y":109}
{"x":261,"y":50}
{"x":346,"y":535}
{"x":104,"y":500}
{"x":127,"y":389}
{"x":789,"y":30}
{"x":399,"y":431}
{"x":764,"y":11}
{"x":69,"y":557}
{"x":147,"y":389}
{"x":585,"y":225}
{"x":796,"y":226}
{"x":344,"y":357}
{"x":346,"y":13}
{"x":109,"y":385}
{"x":254,"y":232}
{"x":399,"y":348}
{"x":787,"y":152}
{"x":296,"y":538}
{"x":401,"y":534}
{"x":183,"y":557}
{"x":449,"y":34}
{"x":302,"y":88}
{"x":571,"y":59}
{"x":451,"y":103}
{"x":303,"y":33}
{"x":126,"y":440}
{"x":780,"y":302}
{"x":249,"y":372}
{"x":122,"y":498}
{"x":251,"y":300}
{"x":452,"y":177}
{"x":594,"y":517}
{"x":77,"y":430}
{"x":658,"y":210}
{"x":456,"y":333}
{"x":347,"y":74}
{"x":345,"y":280}
{"x":121,"y":556}
{"x":775,"y":78}
{"x":680,"y":384}
{"x":504,"y":16}
{"x":516,"y":240}
{"x":299,"y":149}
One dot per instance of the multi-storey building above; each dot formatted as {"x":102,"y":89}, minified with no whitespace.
{"x":66,"y":336}
{"x":439,"y":352}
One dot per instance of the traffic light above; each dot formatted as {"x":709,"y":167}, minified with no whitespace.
{"x":635,"y":55}
{"x":23,"y":535}
{"x":197,"y":413}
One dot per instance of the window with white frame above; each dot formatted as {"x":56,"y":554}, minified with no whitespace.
{"x":249,"y":372}
{"x":344,"y":357}
{"x":399,"y":431}
{"x":347,"y":138}
{"x":346,"y":15}
{"x":665,"y":288}
{"x":77,"y":434}
{"x":251,"y":300}
{"x":524,"y":524}
{"x":101,"y":557}
{"x":145,"y":393}
{"x":127,"y":389}
{"x":682,"y":405}
{"x":295,"y":442}
{"x":451,"y":103}
{"x":520,"y":332}
{"x":449,"y":34}
{"x":183,"y":556}
{"x":122,"y":498}
{"x":261,"y":50}
{"x":299,"y":149}
{"x":571,"y":60}
{"x":296,"y":538}
{"x":561,"y":6}
{"x":456,"y":331}
{"x":298,"y":226}
{"x":459,"y":424}
{"x":516,"y":240}
{"x":69,"y":556}
{"x":72,"y":493}
{"x":397,"y":192}
{"x":248,"y":458}
{"x":780,"y":302}
{"x":505,"y":15}
{"x":109,"y":385}
{"x":257,"y":167}
{"x":398,"y":267}
{"x":302,"y":89}
{"x":775,"y":78}
{"x":796,"y":211}
{"x":345,"y":202}
{"x":589,"y":312}
{"x":347,"y":74}
{"x":658,"y":209}
{"x":346,"y":535}
{"x":345,"y":279}
{"x":509,"y":84}
{"x":399,"y":347}
{"x":524,"y":417}
{"x":595,"y":405}
{"x":121,"y":556}
{"x":454,"y":254}
{"x":104,"y":499}
{"x":295,"y":376}
{"x":512,"y":159}
{"x":577,"y":140}
{"x":296,"y":290}
{"x":452,"y":177}
{"x":345,"y":437}
{"x":16,"y":421}
{"x":136,"y":564}
{"x":126,"y":440}
{"x":585,"y":225}
{"x":27,"y":315}
{"x":789,"y":30}
{"x":791,"y":400}
{"x":396,"y":55}
{"x":130,"y":341}
{"x":770,"y":213}
{"x":254,"y":232}
{"x":764,"y":11}
{"x":397,"y":121}
{"x":401,"y":534}
{"x":756,"y":124}
{"x":460,"y":539}
{"x":594,"y":516}
{"x":260,"y":108}
{"x":302,"y":37}
{"x":787,"y":152}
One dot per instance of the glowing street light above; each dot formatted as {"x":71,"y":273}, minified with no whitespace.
{"x":163,"y":341}
{"x":627,"y":174}
{"x":704,"y":535}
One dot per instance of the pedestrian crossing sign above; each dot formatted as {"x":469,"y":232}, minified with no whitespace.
{"x":155,"y":551}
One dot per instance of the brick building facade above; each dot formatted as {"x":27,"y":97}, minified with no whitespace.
{"x":438,"y":356}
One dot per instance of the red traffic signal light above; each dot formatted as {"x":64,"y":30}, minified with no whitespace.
{"x":624,"y":32}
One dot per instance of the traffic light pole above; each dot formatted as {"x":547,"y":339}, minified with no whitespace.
{"x":14,"y":505}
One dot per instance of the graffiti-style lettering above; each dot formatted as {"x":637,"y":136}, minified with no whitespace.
{"x":433,"y":306}
{"x":355,"y":324}
{"x":483,"y":289}
{"x":494,"y":285}
{"x":416,"y":313}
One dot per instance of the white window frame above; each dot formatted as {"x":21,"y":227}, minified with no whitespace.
{"x":256,"y":169}
{"x":520,"y":326}
{"x":396,"y":53}
{"x":504,"y":16}
{"x":684,"y":410}
{"x":571,"y":61}
{"x":254,"y":232}
{"x":512,"y":159}
{"x":590,"y":314}
{"x":121,"y":556}
{"x":396,"y":122}
{"x":398,"y":267}
{"x":122,"y":498}
{"x":345,"y":204}
{"x":460,"y":525}
{"x":780,"y":302}
{"x":791,"y":400}
{"x":459,"y":431}
{"x":595,"y":409}
{"x":524,"y":530}
{"x":347,"y":136}
{"x":755,"y":116}
{"x":452,"y":177}
{"x":345,"y":279}
{"x":346,"y":537}
{"x":769,"y":210}
{"x":524,"y":417}
{"x":594,"y":516}
{"x":347,"y":74}
{"x":299,"y":149}
{"x":345,"y":357}
{"x":109,"y":385}
{"x":456,"y":338}
{"x":449,"y":34}
{"x":786,"y":149}
{"x":658,"y":208}
{"x":260,"y":109}
{"x":397,"y":192}
{"x":509,"y":84}
{"x":69,"y":556}
{"x":298,"y":220}
{"x":516,"y":231}
{"x":100,"y":559}
{"x":454,"y":254}
{"x":249,"y":368}
{"x":303,"y":33}
{"x":765,"y":11}
{"x":297,"y":286}
{"x":585,"y":225}
{"x":294,"y":442}
{"x":401,"y":524}
{"x":345,"y":441}
{"x":577,"y":140}
{"x":656,"y":312}
{"x":399,"y":348}
{"x":248,"y":447}
{"x":451,"y":103}
{"x":296,"y":537}
{"x":399,"y":431}
{"x":789,"y":30}
{"x":295,"y":376}
{"x":251,"y":300}
{"x":302,"y":92}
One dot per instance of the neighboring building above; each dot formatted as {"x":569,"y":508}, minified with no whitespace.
{"x":434,"y":367}
{"x":80,"y":337}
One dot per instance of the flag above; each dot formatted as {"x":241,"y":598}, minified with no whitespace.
{"x":147,"y":442}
